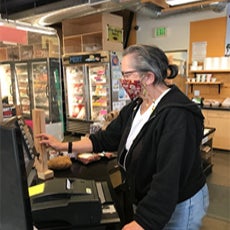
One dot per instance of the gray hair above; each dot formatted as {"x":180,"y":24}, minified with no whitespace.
{"x":151,"y":58}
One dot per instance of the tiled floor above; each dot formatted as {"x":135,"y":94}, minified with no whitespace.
{"x":220,"y":176}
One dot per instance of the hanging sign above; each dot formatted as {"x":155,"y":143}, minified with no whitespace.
{"x":114,"y":34}
{"x":85,"y":58}
{"x":13,"y":35}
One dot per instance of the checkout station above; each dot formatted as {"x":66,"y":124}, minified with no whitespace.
{"x":39,"y":198}
{"x":81,"y":197}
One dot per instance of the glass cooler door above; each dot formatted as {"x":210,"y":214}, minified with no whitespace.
{"x":40,"y":86}
{"x":22,"y":88}
{"x":76,"y":92}
{"x":6,"y":83}
{"x":100,"y":96}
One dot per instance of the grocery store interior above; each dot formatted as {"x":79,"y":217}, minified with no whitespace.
{"x":60,"y":71}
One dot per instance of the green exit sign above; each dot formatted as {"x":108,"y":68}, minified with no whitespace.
{"x":160,"y":32}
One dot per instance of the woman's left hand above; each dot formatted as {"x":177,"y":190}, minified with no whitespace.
{"x":132,"y":226}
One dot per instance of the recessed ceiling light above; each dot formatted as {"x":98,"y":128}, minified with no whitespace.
{"x":180,"y":2}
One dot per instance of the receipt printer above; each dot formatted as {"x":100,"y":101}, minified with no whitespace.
{"x":72,"y":201}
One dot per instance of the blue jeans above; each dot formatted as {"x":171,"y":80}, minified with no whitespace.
{"x":189,"y":213}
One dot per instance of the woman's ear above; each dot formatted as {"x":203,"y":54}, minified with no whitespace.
{"x":150,"y":78}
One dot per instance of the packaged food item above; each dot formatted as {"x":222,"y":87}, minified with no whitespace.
{"x":226,"y":102}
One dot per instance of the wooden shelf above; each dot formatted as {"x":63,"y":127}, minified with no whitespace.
{"x":205,"y":83}
{"x":38,"y":47}
{"x":90,"y":33}
{"x":200,"y":31}
{"x":3,"y":54}
{"x":210,"y":71}
{"x":80,"y":35}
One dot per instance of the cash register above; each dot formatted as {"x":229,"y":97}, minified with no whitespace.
{"x":75,"y":201}
{"x":55,"y":202}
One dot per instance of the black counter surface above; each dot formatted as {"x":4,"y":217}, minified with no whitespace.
{"x":98,"y":171}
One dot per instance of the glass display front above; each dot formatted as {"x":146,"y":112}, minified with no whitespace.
{"x":22,"y":82}
{"x":40,"y":86}
{"x":76,"y":92}
{"x":6,"y":83}
{"x":100,"y":101}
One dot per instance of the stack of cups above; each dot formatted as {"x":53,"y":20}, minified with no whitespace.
{"x":198,"y":77}
{"x":209,"y":76}
{"x":203,"y":78}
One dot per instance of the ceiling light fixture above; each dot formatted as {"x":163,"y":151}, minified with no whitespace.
{"x":28,"y":27}
{"x":180,"y":2}
{"x":36,"y":30}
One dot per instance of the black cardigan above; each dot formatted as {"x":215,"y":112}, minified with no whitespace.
{"x":163,"y":166}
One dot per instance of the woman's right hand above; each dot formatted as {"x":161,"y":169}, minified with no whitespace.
{"x":51,"y":141}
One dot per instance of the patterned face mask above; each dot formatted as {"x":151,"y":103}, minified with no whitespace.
{"x":131,"y":87}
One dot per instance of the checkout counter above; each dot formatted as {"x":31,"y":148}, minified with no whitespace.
{"x":97,"y":175}
{"x":207,"y":150}
{"x":106,"y":171}
{"x":78,"y":198}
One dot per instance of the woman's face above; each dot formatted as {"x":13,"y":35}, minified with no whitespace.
{"x":131,"y":79}
{"x":127,"y":68}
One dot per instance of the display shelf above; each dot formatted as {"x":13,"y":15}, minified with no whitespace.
{"x":38,"y":46}
{"x":90,"y":33}
{"x":86,"y":42}
{"x":13,"y":53}
{"x":26,"y":52}
{"x":210,"y":71}
{"x":205,"y":83}
{"x":72,"y":44}
{"x":3,"y":54}
{"x":39,"y":51}
{"x":83,"y":25}
{"x":92,"y":41}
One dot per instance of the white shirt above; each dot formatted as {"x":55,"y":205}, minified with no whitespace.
{"x":140,"y":120}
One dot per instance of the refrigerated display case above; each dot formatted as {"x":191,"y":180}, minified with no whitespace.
{"x":76,"y":82}
{"x":23,"y":89}
{"x":88,"y":89}
{"x":7,"y":83}
{"x":46,"y":86}
{"x":40,"y":86}
{"x":36,"y":84}
{"x":99,"y":91}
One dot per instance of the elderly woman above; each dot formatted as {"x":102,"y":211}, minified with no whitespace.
{"x":157,"y":137}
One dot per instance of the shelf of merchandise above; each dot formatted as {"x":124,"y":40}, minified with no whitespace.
{"x":218,"y":83}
